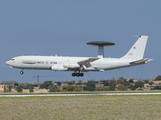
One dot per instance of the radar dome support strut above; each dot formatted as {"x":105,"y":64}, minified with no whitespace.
{"x":100,"y":45}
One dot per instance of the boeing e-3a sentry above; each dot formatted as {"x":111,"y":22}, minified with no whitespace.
{"x":83,"y":64}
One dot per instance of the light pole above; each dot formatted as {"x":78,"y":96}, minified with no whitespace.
{"x":37,"y":79}
{"x":82,"y":86}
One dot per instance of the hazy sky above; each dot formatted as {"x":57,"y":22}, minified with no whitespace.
{"x":49,"y":27}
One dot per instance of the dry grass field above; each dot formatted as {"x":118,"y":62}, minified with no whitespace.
{"x":95,"y":107}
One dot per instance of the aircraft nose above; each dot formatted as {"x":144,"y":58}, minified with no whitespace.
{"x":7,"y":62}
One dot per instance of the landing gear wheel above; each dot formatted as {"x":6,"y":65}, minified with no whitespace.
{"x":73,"y":74}
{"x":77,"y":74}
{"x":21,"y":72}
{"x":81,"y":74}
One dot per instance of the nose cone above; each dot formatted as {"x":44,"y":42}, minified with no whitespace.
{"x":7,"y":62}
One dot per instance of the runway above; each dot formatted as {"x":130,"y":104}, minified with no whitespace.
{"x":80,"y":94}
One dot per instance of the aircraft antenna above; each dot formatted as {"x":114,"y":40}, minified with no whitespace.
{"x":100,"y":45}
{"x":136,"y":36}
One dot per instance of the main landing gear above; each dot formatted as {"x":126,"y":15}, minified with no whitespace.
{"x":21,"y":72}
{"x":77,"y":74}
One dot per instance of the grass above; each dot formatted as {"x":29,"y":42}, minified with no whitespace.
{"x":95,"y":107}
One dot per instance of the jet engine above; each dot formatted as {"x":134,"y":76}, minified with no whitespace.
{"x":69,"y":65}
{"x":58,"y":68}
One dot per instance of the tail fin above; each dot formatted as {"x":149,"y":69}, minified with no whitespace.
{"x":137,"y":50}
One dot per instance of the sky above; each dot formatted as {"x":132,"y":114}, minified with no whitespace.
{"x":59,"y":27}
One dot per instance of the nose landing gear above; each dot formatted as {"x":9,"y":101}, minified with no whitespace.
{"x":21,"y":72}
{"x":77,"y":74}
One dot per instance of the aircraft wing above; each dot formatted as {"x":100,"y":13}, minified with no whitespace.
{"x":141,"y":61}
{"x":87,"y":62}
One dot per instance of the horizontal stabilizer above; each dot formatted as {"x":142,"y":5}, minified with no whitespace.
{"x":143,"y":61}
{"x":87,"y":62}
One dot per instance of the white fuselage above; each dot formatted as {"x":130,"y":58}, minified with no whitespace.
{"x":46,"y":63}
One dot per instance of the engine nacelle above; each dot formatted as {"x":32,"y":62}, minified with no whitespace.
{"x":69,"y":65}
{"x":57,"y":68}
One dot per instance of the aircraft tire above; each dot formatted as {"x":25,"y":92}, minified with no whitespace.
{"x":81,"y":74}
{"x":21,"y":72}
{"x":77,"y":74}
{"x":73,"y":74}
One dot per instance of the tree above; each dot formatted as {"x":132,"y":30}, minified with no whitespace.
{"x":29,"y":86}
{"x":106,"y":83}
{"x":157,"y":88}
{"x":19,"y":89}
{"x":121,"y":87}
{"x":9,"y":88}
{"x":105,"y":88}
{"x":151,"y":83}
{"x":54,"y":88}
{"x":131,"y":81}
{"x":122,"y":81}
{"x":78,"y":89}
{"x":146,"y":81}
{"x":132,"y":87}
{"x":139,"y":84}
{"x":71,"y":88}
{"x":78,"y":82}
{"x":158,"y":78}
{"x":90,"y":86}
{"x":70,"y":83}
{"x":46,"y":85}
{"x":58,"y":83}
{"x":111,"y":89}
{"x":6,"y":89}
{"x":42,"y":86}
{"x":15,"y":84}
{"x":128,"y":83}
{"x":112,"y":83}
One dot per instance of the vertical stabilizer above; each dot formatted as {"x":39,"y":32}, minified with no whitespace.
{"x":137,"y":50}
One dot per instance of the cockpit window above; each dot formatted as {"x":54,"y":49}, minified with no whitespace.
{"x":12,"y":59}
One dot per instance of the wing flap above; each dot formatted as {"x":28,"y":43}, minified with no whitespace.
{"x":87,"y":62}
